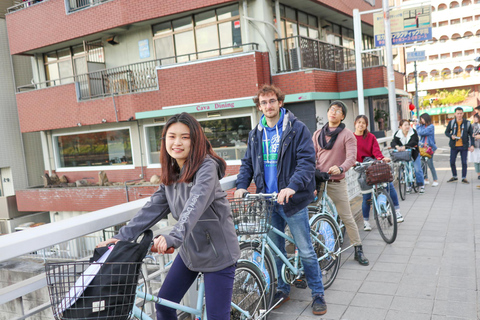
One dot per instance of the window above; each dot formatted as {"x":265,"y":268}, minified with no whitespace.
{"x":457,"y":54}
{"x":295,"y":22}
{"x":467,"y":35}
{"x":454,"y":4}
{"x":466,"y":3}
{"x":198,"y":36}
{"x":442,"y":7}
{"x":434,"y":57}
{"x":443,"y":39}
{"x":454,"y":21}
{"x":93,"y":149}
{"x":445,"y":56}
{"x":456,"y":37}
{"x":469,"y":52}
{"x":443,"y":23}
{"x":467,"y":19}
{"x":228,"y":138}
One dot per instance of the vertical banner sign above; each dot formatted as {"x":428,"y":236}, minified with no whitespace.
{"x":407,"y":25}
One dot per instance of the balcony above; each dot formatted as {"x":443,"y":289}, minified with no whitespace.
{"x":447,"y":81}
{"x":298,"y":52}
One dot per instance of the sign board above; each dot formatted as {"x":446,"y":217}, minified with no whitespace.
{"x":406,"y":25}
{"x":416,"y":56}
{"x":143,"y":49}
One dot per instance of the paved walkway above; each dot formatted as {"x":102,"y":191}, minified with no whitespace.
{"x":429,"y":272}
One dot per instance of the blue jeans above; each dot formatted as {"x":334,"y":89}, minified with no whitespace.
{"x":300,"y":229}
{"x":218,"y":290}
{"x":417,"y":166}
{"x":366,"y":203}
{"x":432,"y":168}
{"x":453,"y":157}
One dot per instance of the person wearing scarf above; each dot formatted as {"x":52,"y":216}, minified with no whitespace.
{"x":335,"y":152}
{"x":460,"y":132}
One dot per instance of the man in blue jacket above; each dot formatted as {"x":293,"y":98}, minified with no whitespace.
{"x":281,"y":158}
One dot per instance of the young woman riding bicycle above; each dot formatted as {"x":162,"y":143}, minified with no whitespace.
{"x":407,"y":136}
{"x":367,"y":147}
{"x":204,"y":233}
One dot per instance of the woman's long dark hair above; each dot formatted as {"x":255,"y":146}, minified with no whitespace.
{"x":426,"y":117}
{"x":364,"y":117}
{"x":200,"y":147}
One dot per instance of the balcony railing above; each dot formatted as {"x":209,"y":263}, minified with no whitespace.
{"x":132,"y":78}
{"x":304,"y":53}
{"x":22,"y":5}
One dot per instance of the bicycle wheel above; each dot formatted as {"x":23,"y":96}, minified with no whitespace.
{"x":402,"y":184}
{"x":252,"y":251}
{"x":248,"y":292}
{"x":324,"y":229}
{"x":386,"y":219}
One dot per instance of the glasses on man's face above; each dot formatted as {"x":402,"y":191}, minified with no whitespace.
{"x":334,"y":110}
{"x":265,"y":102}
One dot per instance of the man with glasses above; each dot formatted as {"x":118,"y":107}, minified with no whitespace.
{"x":280,"y":157}
{"x":336,"y":152}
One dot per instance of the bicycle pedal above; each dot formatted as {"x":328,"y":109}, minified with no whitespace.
{"x":300,"y":283}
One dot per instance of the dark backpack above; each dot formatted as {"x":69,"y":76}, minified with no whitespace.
{"x":111,"y":293}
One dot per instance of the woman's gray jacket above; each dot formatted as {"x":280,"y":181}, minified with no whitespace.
{"x":204,"y":232}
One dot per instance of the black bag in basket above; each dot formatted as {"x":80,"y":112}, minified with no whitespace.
{"x":111,"y":293}
{"x":379,"y":172}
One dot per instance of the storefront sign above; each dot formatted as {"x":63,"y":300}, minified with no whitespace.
{"x":406,"y":25}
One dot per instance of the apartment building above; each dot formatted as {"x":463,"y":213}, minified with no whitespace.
{"x":451,"y":59}
{"x":108,"y":74}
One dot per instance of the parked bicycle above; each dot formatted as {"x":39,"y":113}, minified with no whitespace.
{"x":406,"y":173}
{"x":114,"y":293}
{"x":383,"y":207}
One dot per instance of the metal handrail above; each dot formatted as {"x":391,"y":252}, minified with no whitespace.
{"x":23,"y":5}
{"x":131,"y":78}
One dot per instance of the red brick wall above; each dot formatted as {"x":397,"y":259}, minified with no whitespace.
{"x":307,"y":81}
{"x":47,"y":23}
{"x":57,"y":107}
{"x":372,"y":78}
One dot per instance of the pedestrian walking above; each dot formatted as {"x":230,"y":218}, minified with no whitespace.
{"x":474,"y":156}
{"x":460,"y":132}
{"x":280,"y":158}
{"x":336,"y":152}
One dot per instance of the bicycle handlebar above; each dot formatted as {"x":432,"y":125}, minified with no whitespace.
{"x":169,"y":250}
{"x":273,"y":195}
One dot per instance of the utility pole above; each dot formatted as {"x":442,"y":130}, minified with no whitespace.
{"x":416,"y":87}
{"x":392,"y":101}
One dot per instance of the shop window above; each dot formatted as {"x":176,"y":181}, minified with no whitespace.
{"x":94,"y":149}
{"x":228,"y":138}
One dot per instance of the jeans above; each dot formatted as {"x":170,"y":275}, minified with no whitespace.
{"x":300,"y":229}
{"x":417,"y":166}
{"x":432,"y":168}
{"x":453,"y":157}
{"x":218,"y":290}
{"x":366,"y":201}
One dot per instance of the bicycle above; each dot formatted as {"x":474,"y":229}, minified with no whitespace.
{"x":66,"y":282}
{"x":406,"y":172}
{"x":325,"y":239}
{"x":383,"y":208}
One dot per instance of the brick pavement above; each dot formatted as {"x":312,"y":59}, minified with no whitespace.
{"x":429,"y":272}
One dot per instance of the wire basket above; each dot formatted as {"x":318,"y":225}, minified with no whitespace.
{"x":401,"y":155}
{"x":83,"y":290}
{"x":251,"y":216}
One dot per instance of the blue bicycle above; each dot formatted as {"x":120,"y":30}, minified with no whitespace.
{"x":406,"y":172}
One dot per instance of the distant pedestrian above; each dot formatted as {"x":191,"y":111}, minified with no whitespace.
{"x":475,"y":111}
{"x":474,"y":156}
{"x":460,"y":131}
{"x":426,"y":133}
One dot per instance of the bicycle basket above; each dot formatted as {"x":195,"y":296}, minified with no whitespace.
{"x":402,"y":155}
{"x":251,"y":216}
{"x":362,"y":182}
{"x":379,"y":172}
{"x":78,"y":290}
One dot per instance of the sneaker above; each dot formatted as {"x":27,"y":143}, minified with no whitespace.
{"x":426,"y":182}
{"x":422,"y":189}
{"x":478,"y":177}
{"x":452,"y":179}
{"x":319,"y":305}
{"x":465,"y":181}
{"x":409,"y":189}
{"x":399,"y":216}
{"x":366,"y":225}
{"x":434,"y":184}
{"x":280,"y":298}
